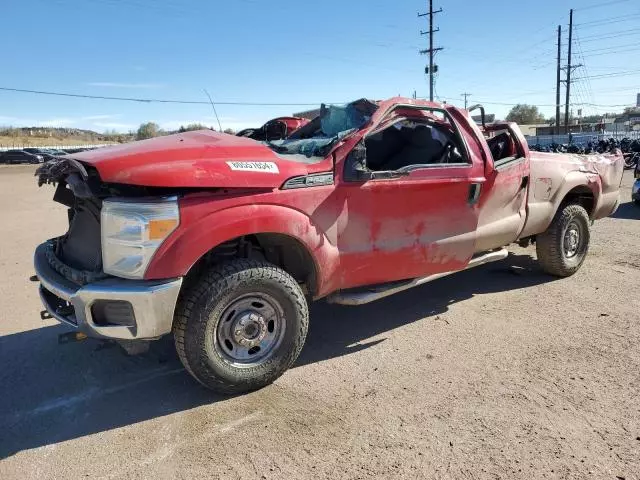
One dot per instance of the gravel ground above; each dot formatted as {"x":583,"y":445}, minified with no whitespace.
{"x":498,"y":372}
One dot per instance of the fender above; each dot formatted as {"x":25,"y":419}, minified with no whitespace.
{"x":542,"y":212}
{"x":574,"y":179}
{"x":198,"y":234}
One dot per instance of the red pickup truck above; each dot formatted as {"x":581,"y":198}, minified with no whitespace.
{"x":222,"y":240}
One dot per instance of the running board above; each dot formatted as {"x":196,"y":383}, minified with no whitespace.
{"x":360,"y":298}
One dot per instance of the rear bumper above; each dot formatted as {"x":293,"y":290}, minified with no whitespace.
{"x":153,"y":302}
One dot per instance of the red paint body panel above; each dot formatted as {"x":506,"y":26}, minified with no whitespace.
{"x":308,"y":215}
{"x":192,"y":159}
{"x":357,"y":232}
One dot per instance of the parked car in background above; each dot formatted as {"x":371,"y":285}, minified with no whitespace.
{"x":16,"y":156}
{"x":275,"y":129}
{"x":53,"y":151}
{"x":34,"y":150}
{"x":77,"y":150}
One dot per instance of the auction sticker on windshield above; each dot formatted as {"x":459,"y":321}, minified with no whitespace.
{"x":266,"y":167}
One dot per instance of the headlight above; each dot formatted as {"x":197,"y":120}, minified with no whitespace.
{"x":132,"y":231}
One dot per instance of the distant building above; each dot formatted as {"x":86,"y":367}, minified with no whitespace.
{"x":638,"y":101}
{"x":535,"y":129}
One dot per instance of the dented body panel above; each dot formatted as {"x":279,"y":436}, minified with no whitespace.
{"x":432,"y":220}
{"x":200,"y":159}
{"x":554,"y":176}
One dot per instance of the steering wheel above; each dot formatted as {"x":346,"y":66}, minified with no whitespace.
{"x":442,"y":155}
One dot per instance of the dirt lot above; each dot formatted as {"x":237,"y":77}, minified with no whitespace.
{"x":501,"y":372}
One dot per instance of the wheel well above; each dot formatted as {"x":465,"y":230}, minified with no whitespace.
{"x":282,"y":250}
{"x":581,"y":195}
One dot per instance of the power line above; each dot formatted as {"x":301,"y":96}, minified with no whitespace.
{"x":600,"y":20}
{"x":612,"y":48}
{"x":608,"y":21}
{"x":159,"y":100}
{"x":610,"y":53}
{"x":610,"y":75}
{"x":586,"y":70}
{"x":605,"y":4}
{"x":623,"y":33}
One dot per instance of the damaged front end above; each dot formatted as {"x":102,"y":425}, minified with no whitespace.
{"x":77,"y":254}
{"x":75,"y":287}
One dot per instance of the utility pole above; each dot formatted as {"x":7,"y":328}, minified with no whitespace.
{"x":566,"y":107}
{"x":570,"y":68}
{"x":558,"y":81}
{"x":466,"y":95}
{"x":431,"y":50}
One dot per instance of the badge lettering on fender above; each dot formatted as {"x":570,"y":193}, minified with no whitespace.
{"x":265,"y":167}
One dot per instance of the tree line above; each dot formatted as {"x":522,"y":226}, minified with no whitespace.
{"x":530,"y":115}
{"x":152,"y":129}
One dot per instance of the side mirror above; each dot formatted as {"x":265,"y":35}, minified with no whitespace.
{"x":355,"y":167}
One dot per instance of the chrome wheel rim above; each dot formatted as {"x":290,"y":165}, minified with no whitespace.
{"x":572,"y":238}
{"x":250,"y":330}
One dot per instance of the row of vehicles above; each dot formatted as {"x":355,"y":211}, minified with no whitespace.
{"x":34,"y":155}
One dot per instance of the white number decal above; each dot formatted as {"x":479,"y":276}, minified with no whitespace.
{"x":266,"y":167}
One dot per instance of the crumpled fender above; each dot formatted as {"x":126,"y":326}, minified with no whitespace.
{"x":541,"y":213}
{"x":196,"y":236}
{"x":576,"y":178}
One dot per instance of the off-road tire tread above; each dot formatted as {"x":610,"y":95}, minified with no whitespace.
{"x":549,"y":243}
{"x":205,"y":292}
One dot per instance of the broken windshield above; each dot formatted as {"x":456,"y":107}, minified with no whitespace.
{"x":332,"y":125}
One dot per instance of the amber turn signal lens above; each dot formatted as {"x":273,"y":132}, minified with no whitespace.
{"x":159,"y":229}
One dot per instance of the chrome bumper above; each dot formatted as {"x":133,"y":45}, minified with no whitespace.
{"x":153,"y":302}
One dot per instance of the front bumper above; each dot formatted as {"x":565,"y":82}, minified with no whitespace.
{"x":153,"y":302}
{"x":635,"y":191}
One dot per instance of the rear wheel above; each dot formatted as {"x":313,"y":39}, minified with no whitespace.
{"x":563,"y":247}
{"x":241,"y":326}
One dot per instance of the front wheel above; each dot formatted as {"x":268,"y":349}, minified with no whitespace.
{"x":563,"y":247}
{"x":241,"y":326}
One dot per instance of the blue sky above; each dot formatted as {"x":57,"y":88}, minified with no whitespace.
{"x":503,"y":52}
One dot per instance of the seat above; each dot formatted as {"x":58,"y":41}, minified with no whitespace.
{"x":421,"y":149}
{"x":382,"y":146}
{"x":502,"y":146}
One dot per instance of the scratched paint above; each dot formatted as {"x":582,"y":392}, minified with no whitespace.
{"x":358,"y":233}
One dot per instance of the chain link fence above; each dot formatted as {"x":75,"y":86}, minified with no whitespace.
{"x":580,"y":138}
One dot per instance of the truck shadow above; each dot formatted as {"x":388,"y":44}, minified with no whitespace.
{"x":627,"y":211}
{"x":53,"y":393}
{"x":337,"y":330}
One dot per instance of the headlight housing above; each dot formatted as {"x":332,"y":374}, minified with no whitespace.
{"x":132,"y":231}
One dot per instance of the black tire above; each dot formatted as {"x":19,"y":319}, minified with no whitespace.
{"x":200,"y":311}
{"x":554,"y":254}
